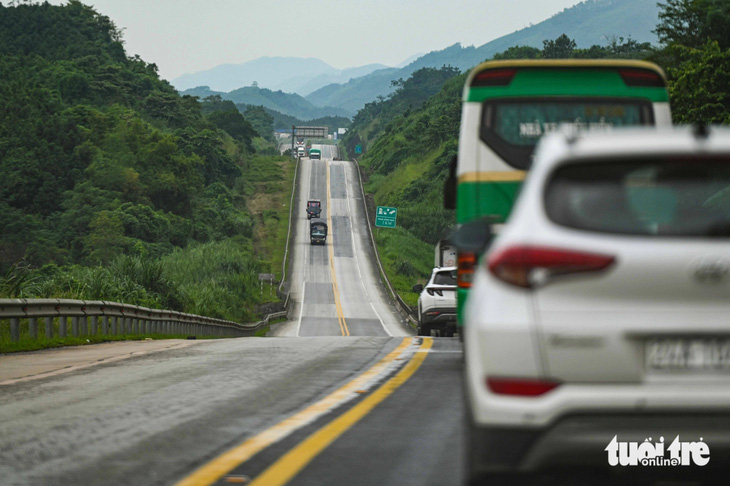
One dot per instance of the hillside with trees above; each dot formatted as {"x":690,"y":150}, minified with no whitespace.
{"x":407,"y":146}
{"x":286,"y":103}
{"x":115,"y":187}
{"x":589,"y":23}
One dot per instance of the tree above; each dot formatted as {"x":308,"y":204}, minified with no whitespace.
{"x":233,"y":122}
{"x":696,"y":57}
{"x":560,"y":48}
{"x":261,"y":121}
{"x":692,"y":22}
{"x":519,"y":52}
{"x":700,"y":91}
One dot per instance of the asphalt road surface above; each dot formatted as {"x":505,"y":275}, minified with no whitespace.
{"x":342,"y":395}
{"x":336,"y":286}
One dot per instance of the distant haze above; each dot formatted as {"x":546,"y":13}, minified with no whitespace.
{"x":188,"y":36}
{"x":289,"y":74}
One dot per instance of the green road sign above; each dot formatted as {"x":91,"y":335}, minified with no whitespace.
{"x":358,"y":149}
{"x":385,"y":217}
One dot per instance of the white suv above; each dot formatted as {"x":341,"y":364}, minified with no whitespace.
{"x":597,"y":330}
{"x":437,"y":303}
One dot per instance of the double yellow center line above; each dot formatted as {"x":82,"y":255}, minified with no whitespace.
{"x":291,"y":463}
{"x":331,"y":244}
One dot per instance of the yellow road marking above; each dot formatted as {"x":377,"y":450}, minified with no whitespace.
{"x":295,"y":460}
{"x":338,"y":305}
{"x":217,"y":468}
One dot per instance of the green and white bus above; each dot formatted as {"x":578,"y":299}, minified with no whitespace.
{"x":509,"y":105}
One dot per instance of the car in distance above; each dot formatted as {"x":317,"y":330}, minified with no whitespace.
{"x":599,"y":317}
{"x":437,"y":303}
{"x":314,"y":208}
{"x":315,"y":154}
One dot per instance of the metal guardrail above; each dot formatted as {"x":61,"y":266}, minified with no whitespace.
{"x":89,"y":318}
{"x":403,"y":308}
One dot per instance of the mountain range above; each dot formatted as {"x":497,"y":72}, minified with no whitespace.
{"x":288,"y":74}
{"x":333,"y":92}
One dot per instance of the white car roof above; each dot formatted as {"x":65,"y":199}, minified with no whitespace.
{"x":631,"y":142}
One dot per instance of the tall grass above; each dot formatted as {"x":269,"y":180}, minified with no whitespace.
{"x":406,"y":260}
{"x":217,"y":279}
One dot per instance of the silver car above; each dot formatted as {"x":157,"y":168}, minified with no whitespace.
{"x":597,"y":330}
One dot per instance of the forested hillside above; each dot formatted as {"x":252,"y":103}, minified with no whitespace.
{"x":589,"y":23}
{"x":407,"y":144}
{"x":115,"y":187}
{"x":287,"y":103}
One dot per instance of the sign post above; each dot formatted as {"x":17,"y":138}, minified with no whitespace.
{"x":385,"y":217}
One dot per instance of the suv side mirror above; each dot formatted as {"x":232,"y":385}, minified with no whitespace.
{"x":417,"y":289}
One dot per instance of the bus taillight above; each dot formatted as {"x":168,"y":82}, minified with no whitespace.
{"x":465,"y":272}
{"x":494,"y":77}
{"x":642,"y":77}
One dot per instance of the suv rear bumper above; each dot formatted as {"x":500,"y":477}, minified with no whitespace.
{"x":580,"y":441}
{"x":445,"y":319}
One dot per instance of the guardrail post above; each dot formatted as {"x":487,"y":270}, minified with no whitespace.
{"x":62,"y":326}
{"x":114,"y":325}
{"x":49,"y":327}
{"x":33,"y":327}
{"x":84,"y":326}
{"x":15,"y":329}
{"x":75,"y":326}
{"x":94,"y":325}
{"x":105,"y":325}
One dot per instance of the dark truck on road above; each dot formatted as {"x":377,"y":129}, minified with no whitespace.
{"x":314,"y":208}
{"x":317,"y":231}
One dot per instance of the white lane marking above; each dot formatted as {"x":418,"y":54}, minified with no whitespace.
{"x":357,"y":260}
{"x":352,"y":231}
{"x":381,"y":320}
{"x":301,"y":307}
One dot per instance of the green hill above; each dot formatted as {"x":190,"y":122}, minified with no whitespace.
{"x":115,"y":187}
{"x":592,"y":22}
{"x":285,"y":103}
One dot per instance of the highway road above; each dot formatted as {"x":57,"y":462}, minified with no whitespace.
{"x":343,"y":394}
{"x":336,"y":286}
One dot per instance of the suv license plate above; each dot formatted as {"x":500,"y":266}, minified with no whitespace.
{"x":688,"y":354}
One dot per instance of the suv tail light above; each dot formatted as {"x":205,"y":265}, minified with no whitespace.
{"x":525,"y":387}
{"x":465,"y":272}
{"x":435,"y":291}
{"x":530,"y":266}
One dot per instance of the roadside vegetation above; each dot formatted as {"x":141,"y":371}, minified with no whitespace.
{"x":117,"y":188}
{"x":409,"y":137}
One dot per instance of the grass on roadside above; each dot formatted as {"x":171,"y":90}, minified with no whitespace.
{"x":268,"y":187}
{"x":406,"y":260}
{"x":27,"y":343}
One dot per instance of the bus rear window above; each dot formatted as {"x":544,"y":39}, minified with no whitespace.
{"x":512,"y":127}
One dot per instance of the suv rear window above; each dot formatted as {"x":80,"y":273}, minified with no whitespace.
{"x":668,"y":197}
{"x":445,"y":278}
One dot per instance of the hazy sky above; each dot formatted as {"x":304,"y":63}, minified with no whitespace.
{"x":186,"y":36}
